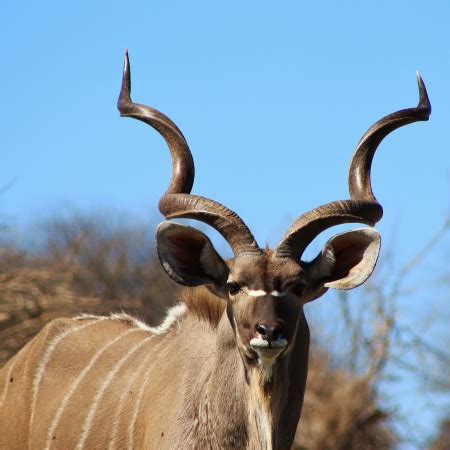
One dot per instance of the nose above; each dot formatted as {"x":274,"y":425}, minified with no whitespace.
{"x":270,"y":332}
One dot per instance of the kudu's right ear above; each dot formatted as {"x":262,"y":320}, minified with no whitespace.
{"x":188,"y":256}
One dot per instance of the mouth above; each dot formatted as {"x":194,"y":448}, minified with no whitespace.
{"x":268,"y":351}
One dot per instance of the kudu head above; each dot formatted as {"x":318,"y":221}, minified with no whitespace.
{"x":266,"y":289}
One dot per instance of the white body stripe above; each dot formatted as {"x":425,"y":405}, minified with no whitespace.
{"x":172,"y":316}
{"x":43,"y":364}
{"x":9,"y":373}
{"x":75,"y":385}
{"x":88,"y":421}
{"x":137,"y":404}
{"x":7,"y":382}
{"x":121,"y":403}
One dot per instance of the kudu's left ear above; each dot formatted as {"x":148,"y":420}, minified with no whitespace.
{"x":347,"y":259}
{"x":188,"y":256}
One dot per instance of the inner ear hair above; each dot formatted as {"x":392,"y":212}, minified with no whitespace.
{"x":188,"y":256}
{"x":211,"y":264}
{"x":321,"y":268}
{"x":347,"y":259}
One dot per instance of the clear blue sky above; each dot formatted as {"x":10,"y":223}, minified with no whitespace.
{"x":271,"y":97}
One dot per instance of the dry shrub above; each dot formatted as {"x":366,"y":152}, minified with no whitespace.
{"x":340,"y":411}
{"x":442,"y":441}
{"x":30,"y":298}
{"x":83,"y":265}
{"x":110,"y":258}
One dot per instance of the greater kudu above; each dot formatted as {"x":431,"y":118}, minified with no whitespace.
{"x":227,"y":369}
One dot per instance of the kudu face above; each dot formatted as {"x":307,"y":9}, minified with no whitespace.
{"x":266,"y":289}
{"x":265,"y":292}
{"x":264,"y":295}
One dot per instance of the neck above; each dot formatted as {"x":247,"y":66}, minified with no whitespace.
{"x":263,"y":411}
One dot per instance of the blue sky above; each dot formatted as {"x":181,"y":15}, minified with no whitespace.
{"x":272,"y":99}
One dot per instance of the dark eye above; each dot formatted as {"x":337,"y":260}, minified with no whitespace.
{"x":233,"y":288}
{"x":298,"y":288}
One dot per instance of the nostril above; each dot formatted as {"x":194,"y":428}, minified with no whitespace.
{"x":278,"y":332}
{"x":270,"y":332}
{"x":263,"y":330}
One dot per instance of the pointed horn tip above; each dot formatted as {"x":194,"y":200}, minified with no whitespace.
{"x":424,"y":101}
{"x":126,"y":61}
{"x":418,"y":76}
{"x":125,"y":89}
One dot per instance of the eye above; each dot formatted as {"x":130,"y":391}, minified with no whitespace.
{"x":233,"y":288}
{"x":298,"y":288}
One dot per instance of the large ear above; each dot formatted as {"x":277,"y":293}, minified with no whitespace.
{"x":188,"y":256}
{"x":347,"y":259}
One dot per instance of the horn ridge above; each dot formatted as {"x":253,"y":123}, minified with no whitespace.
{"x":362,"y":207}
{"x":177,"y":200}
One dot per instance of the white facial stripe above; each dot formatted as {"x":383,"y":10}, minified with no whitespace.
{"x":278,"y":294}
{"x":261,"y":293}
{"x":252,"y":293}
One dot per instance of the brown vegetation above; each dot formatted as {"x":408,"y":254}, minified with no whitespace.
{"x":341,"y":411}
{"x":442,"y":441}
{"x":83,"y":265}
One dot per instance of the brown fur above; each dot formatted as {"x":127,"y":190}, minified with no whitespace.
{"x":204,"y":305}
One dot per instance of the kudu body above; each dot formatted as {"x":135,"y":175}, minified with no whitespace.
{"x":227,"y":369}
